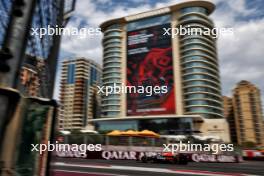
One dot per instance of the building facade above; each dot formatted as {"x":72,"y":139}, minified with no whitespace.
{"x":137,"y":53}
{"x":78,"y":93}
{"x":229,"y":115}
{"x":248,"y":113}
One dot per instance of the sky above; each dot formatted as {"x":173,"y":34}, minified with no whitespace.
{"x":240,"y":55}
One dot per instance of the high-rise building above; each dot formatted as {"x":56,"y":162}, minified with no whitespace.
{"x":229,"y":115}
{"x":78,"y":93}
{"x":248,"y":113}
{"x":138,"y":52}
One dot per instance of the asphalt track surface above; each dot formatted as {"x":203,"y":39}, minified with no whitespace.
{"x":88,"y":167}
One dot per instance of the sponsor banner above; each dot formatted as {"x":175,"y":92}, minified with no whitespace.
{"x":108,"y":155}
{"x":150,"y":64}
{"x":125,"y":155}
{"x":137,"y":155}
{"x":71,"y":153}
{"x":214,"y":158}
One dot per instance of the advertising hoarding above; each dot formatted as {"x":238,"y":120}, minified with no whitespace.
{"x":150,"y":64}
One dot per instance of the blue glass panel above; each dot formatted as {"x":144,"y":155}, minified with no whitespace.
{"x":71,"y":74}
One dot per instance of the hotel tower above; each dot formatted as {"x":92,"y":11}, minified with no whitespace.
{"x":137,"y":51}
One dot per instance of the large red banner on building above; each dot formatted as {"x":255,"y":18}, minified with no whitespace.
{"x":150,"y":64}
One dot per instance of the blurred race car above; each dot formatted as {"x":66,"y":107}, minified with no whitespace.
{"x":166,"y":157}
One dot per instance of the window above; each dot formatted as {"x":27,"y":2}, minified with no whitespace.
{"x":71,"y":74}
{"x":194,"y":9}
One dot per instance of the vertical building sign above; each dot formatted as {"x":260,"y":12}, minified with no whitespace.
{"x":149,"y":64}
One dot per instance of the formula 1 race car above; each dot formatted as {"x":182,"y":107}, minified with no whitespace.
{"x":166,"y":157}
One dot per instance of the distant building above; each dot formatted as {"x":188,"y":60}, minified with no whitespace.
{"x":31,"y":82}
{"x":229,"y":115}
{"x":78,"y":95}
{"x":248,"y":117}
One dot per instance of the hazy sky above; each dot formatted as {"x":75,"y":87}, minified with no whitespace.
{"x":240,"y":55}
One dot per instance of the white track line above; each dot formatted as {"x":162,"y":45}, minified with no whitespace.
{"x":80,"y":172}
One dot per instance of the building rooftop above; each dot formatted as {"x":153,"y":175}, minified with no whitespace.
{"x":73,"y":60}
{"x":186,"y":3}
{"x":245,"y":84}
